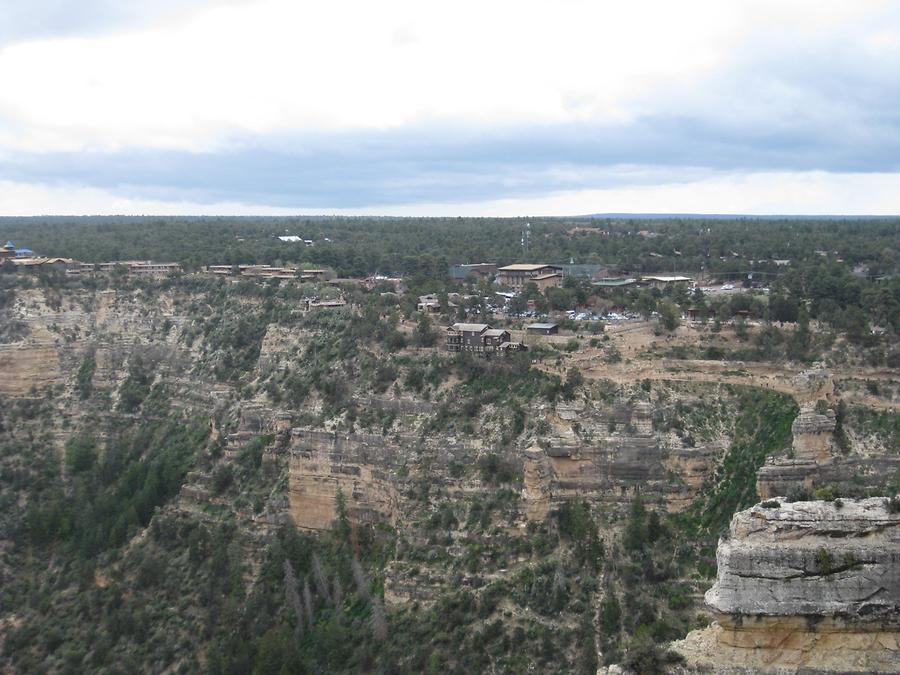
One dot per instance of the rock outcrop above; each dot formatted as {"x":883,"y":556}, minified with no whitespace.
{"x":536,"y":491}
{"x":361,"y":467}
{"x":813,"y":433}
{"x":806,"y":586}
{"x":816,"y":461}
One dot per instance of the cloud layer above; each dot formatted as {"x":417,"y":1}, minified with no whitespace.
{"x":401,"y":106}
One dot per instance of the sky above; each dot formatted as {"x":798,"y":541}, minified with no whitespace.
{"x":487,"y":108}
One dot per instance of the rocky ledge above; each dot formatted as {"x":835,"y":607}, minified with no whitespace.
{"x":805,"y":587}
{"x":811,"y":558}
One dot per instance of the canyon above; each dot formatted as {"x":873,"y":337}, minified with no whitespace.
{"x":416,"y":467}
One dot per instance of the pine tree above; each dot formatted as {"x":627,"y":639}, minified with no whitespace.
{"x":321,"y":580}
{"x":292,"y":596}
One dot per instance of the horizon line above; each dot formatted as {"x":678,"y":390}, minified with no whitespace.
{"x":614,"y":214}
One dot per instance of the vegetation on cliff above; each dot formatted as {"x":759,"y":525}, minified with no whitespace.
{"x":145,"y":491}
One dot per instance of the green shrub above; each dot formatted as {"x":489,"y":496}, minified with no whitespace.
{"x":827,"y":493}
{"x":799,"y":493}
{"x":495,"y":470}
{"x":81,"y":453}
{"x":85,"y":377}
{"x":824,"y":562}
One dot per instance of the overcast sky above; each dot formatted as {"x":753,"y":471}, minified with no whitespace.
{"x":449,"y":108}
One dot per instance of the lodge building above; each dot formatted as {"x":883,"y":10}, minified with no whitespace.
{"x":479,"y":338}
{"x":516,"y":276}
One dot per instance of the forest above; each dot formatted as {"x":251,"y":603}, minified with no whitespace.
{"x":427,"y":246}
{"x":146,"y":523}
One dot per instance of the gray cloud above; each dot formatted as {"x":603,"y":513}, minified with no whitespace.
{"x":781,"y":105}
{"x":448,"y":165}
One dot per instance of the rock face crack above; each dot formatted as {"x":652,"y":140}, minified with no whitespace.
{"x":838,"y":569}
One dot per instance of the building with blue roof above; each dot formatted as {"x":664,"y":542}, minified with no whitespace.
{"x":10,"y":250}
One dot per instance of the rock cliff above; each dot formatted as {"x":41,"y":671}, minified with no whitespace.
{"x":815,"y":460}
{"x":805,"y":586}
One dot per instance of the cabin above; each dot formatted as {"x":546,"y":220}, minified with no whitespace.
{"x":694,"y":313}
{"x":479,"y":338}
{"x":429,"y":304}
{"x":543,"y":328}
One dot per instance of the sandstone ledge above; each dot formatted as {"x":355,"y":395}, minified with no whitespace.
{"x":811,"y":559}
{"x":804,"y":587}
{"x":790,"y":646}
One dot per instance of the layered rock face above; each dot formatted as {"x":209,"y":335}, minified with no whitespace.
{"x":816,"y":460}
{"x":813,"y":446}
{"x":607,"y":451}
{"x":49,"y":343}
{"x":814,"y":433}
{"x":359,"y":466}
{"x":811,"y":558}
{"x":811,"y":586}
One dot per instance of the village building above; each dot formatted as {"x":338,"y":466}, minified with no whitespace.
{"x":268,"y":272}
{"x":545,"y":281}
{"x":475,"y":271}
{"x":429,"y":304}
{"x":615,"y":282}
{"x":315,"y":303}
{"x":516,"y":276}
{"x":9,"y":251}
{"x":699,"y":313}
{"x":479,"y":338}
{"x":153,"y":270}
{"x":664,"y":281}
{"x":543,"y":328}
{"x":585,"y":271}
{"x":60,"y":264}
{"x":295,"y":239}
{"x":147,"y":269}
{"x":397,"y":283}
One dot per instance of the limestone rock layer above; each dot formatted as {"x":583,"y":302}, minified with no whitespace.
{"x":810,"y":587}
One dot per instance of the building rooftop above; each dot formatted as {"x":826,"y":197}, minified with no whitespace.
{"x":525,"y":267}
{"x":620,"y":281}
{"x":541,"y":277}
{"x":666,"y":279}
{"x":494,"y":332}
{"x":542,"y":326}
{"x":31,"y":262}
{"x":470,"y":327}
